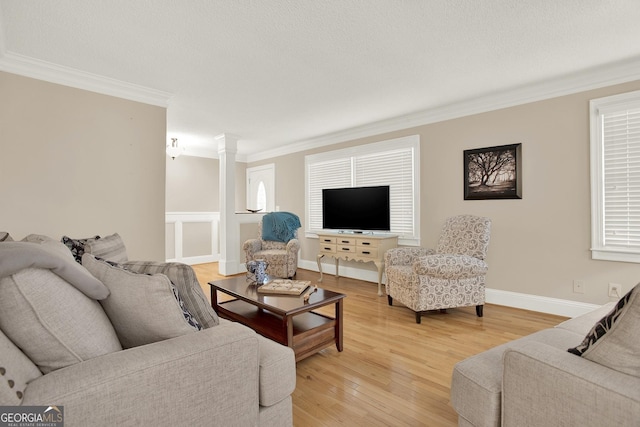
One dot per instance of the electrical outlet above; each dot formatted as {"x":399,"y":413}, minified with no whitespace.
{"x":578,"y":286}
{"x":615,"y":290}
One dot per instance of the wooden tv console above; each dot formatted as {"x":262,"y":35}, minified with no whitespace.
{"x":356,"y":247}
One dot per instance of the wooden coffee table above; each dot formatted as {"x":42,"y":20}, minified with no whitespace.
{"x":286,"y":319}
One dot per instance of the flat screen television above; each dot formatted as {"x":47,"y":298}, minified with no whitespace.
{"x":356,"y":208}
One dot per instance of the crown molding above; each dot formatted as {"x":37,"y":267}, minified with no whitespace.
{"x":594,"y":78}
{"x":54,"y":73}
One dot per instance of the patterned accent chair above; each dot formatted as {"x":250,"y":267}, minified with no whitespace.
{"x":281,"y":257}
{"x":452,"y":275}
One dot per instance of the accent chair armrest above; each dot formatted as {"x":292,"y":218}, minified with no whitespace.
{"x":293,"y":246}
{"x":405,"y":255}
{"x":252,"y":246}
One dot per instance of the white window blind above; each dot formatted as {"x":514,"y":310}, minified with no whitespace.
{"x":616,"y":178}
{"x":392,"y":163}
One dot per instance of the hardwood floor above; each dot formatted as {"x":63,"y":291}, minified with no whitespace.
{"x":393,"y":371}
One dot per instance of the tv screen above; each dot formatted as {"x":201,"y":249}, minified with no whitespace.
{"x":356,"y":208}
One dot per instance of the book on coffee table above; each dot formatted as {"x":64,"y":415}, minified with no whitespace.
{"x":285,"y":286}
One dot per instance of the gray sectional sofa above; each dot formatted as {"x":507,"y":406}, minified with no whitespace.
{"x":535,"y":381}
{"x":129,"y":349}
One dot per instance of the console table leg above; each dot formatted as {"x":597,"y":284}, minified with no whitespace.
{"x":320,"y":266}
{"x":380,"y":266}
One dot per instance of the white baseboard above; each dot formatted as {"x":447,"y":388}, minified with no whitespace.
{"x":556,"y":306}
{"x":559,"y":307}
{"x":202,"y":259}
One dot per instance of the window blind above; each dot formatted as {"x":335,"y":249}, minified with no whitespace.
{"x":391,"y":163}
{"x":621,"y":172}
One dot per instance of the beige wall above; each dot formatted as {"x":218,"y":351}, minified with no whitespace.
{"x":193,"y":184}
{"x":540,"y":244}
{"x":79,"y":163}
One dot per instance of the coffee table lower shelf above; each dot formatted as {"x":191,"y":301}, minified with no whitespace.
{"x":311,"y":331}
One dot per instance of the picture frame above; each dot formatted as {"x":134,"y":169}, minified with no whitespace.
{"x":493,"y":172}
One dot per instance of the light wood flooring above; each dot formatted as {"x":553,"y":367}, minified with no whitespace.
{"x":393,"y":371}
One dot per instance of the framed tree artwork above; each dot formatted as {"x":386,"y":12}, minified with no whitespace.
{"x":493,"y":173}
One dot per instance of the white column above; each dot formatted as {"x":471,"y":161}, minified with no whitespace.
{"x":229,"y":230}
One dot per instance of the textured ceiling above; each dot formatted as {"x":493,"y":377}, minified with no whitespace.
{"x":287,"y":71}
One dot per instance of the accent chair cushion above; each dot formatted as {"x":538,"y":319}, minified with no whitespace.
{"x":613,"y":340}
{"x":110,"y":248}
{"x":53,"y":323}
{"x":142,"y":308}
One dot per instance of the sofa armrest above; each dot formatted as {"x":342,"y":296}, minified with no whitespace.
{"x":188,"y":380}
{"x":544,"y":386}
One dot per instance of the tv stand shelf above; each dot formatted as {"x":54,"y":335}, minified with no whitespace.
{"x":356,"y":247}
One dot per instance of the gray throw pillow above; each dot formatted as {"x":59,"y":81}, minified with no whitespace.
{"x":76,"y":246}
{"x":142,"y":308}
{"x":53,"y":323}
{"x":185,"y":280}
{"x":613,"y":340}
{"x":110,"y":248}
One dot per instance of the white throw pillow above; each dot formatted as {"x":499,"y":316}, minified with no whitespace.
{"x":142,"y":308}
{"x":53,"y":323}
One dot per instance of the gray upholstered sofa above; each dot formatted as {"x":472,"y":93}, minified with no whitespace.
{"x":535,"y":381}
{"x":164,"y":361}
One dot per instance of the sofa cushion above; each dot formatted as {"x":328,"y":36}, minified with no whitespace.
{"x":110,"y":248}
{"x":184,"y":278}
{"x":613,"y":340}
{"x":53,"y":323}
{"x":16,"y":370}
{"x":5,"y":237}
{"x":76,"y":246}
{"x":476,"y":385}
{"x":142,"y":308}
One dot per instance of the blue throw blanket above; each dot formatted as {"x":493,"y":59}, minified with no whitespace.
{"x":280,"y":226}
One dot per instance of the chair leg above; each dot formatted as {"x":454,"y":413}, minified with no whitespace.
{"x":389,"y":300}
{"x":418,"y":317}
{"x":479,"y":310}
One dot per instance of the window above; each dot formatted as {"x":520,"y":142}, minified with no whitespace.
{"x":615,"y":177}
{"x":393,"y":162}
{"x":260,"y":188}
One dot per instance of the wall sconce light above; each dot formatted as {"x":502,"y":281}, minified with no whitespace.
{"x":173,"y":150}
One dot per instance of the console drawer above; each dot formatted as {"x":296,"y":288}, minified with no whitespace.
{"x":368,"y":243}
{"x":346,"y":248}
{"x":346,"y":241}
{"x":325,"y":240}
{"x":327,"y":248}
{"x":368,"y":252}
